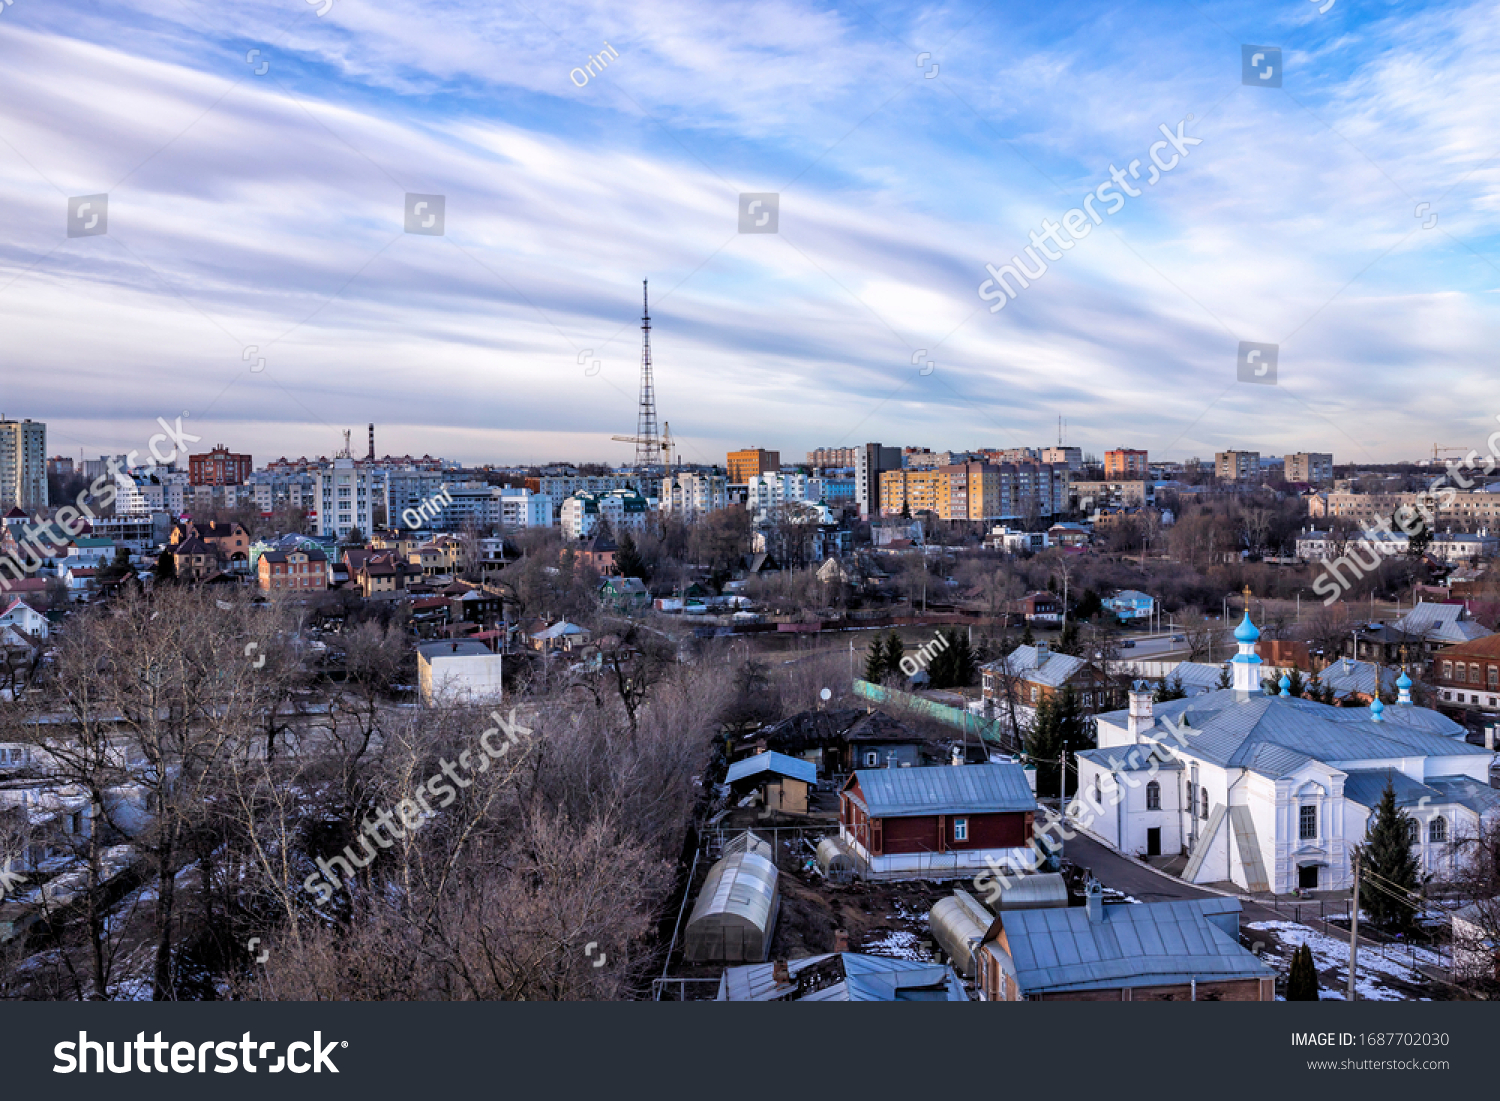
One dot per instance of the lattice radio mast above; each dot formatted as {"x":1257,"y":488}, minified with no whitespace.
{"x":646,"y":447}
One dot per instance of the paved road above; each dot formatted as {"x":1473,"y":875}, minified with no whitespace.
{"x":1124,"y":874}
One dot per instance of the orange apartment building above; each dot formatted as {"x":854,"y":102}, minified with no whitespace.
{"x":1124,"y":464}
{"x":746,"y":464}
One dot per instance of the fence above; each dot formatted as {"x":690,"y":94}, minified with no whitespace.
{"x":1369,"y":939}
{"x":988,"y":730}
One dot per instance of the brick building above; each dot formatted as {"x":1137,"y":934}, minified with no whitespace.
{"x":219,"y":467}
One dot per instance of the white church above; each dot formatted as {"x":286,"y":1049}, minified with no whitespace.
{"x":1272,"y":792}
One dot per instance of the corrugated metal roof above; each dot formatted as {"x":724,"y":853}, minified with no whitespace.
{"x":772,"y":761}
{"x":945,"y":789}
{"x":1133,"y":945}
{"x":865,"y":979}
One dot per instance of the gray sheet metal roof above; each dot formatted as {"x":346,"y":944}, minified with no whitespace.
{"x":1347,"y":675}
{"x":1131,"y":758}
{"x":772,"y":761}
{"x":1233,"y":733}
{"x":1464,"y":791}
{"x":1053,"y":672}
{"x":1441,"y":622}
{"x":1197,"y":674}
{"x":945,"y":789}
{"x":866,"y":979}
{"x":1366,"y":786}
{"x":1134,"y":945}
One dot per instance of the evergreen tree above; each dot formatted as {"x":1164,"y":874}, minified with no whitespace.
{"x":166,"y":567}
{"x":1067,"y":642}
{"x":1165,"y":691}
{"x":1302,"y":983}
{"x":875,"y":661}
{"x":1027,"y":638}
{"x":1044,"y":746}
{"x":940,"y":666}
{"x":985,"y":653}
{"x":1315,"y":690}
{"x":628,"y":560}
{"x":965,"y":662}
{"x":1296,"y":685}
{"x":1225,"y":681}
{"x":1386,"y":858}
{"x":1089,"y":606}
{"x":895,"y":650}
{"x":1060,"y":727}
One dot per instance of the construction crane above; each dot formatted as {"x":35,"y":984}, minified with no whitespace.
{"x":1447,"y":450}
{"x":652,"y":445}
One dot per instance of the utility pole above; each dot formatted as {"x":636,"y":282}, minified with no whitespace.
{"x":1352,"y":994}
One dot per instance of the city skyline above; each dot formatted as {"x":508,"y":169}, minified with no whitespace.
{"x":255,"y":270}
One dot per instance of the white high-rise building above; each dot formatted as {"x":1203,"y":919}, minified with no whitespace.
{"x":690,"y":495}
{"x":346,"y":497}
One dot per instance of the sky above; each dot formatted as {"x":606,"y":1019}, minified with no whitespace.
{"x":256,"y":277}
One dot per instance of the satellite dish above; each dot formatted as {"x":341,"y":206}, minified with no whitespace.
{"x":825,"y":695}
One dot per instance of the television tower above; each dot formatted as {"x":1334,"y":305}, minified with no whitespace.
{"x":651,"y":450}
{"x":645,"y":422}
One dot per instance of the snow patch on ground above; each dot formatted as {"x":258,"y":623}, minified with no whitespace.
{"x":1332,"y":954}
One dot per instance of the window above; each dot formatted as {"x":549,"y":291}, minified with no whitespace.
{"x":1437,"y":829}
{"x":1153,"y":796}
{"x":1474,"y":673}
{"x":1035,"y":693}
{"x":1204,"y":793}
{"x":1098,"y":791}
{"x":872,"y":759}
{"x":1447,"y":670}
{"x":1413,"y":832}
{"x":960,"y":829}
{"x":1307,"y":823}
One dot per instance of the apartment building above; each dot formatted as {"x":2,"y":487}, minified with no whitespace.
{"x":1125,"y":464}
{"x":976,"y":491}
{"x":348,"y":494}
{"x":219,"y":467}
{"x":558,"y":487}
{"x":1237,"y":466}
{"x":870,"y":462}
{"x":690,"y":495}
{"x":23,"y":464}
{"x":1071,"y":457}
{"x":765,"y":492}
{"x":840,"y":457}
{"x":908,"y":492}
{"x":622,"y":509}
{"x":1310,"y":468}
{"x":746,"y":464}
{"x":1090,"y":495}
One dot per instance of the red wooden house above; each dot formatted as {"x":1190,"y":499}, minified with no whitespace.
{"x":938,"y":822}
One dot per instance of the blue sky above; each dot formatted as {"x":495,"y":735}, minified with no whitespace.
{"x":265,"y":210}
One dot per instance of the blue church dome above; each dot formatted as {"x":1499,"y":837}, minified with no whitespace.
{"x":1246,"y":631}
{"x":1403,"y":681}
